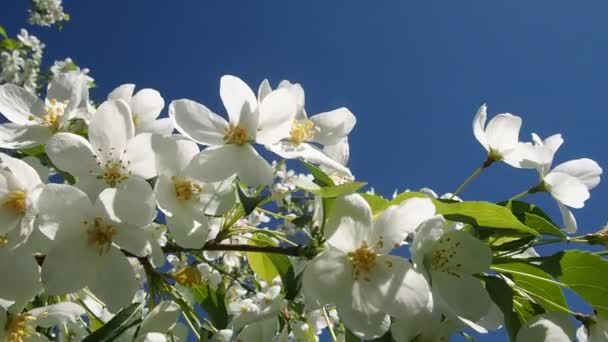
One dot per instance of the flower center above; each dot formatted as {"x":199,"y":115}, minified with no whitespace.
{"x":185,"y":189}
{"x":441,"y":257}
{"x":302,"y":131}
{"x":236,"y":135}
{"x":16,"y":201}
{"x":135,"y":121}
{"x":188,"y":276}
{"x":100,"y":235}
{"x":54,"y":111}
{"x":3,"y":239}
{"x":113,"y":171}
{"x":18,"y":329}
{"x":363,"y":260}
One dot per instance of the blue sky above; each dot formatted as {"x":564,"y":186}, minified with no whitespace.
{"x":412,"y":72}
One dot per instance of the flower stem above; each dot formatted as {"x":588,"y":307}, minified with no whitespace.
{"x":469,"y":180}
{"x":330,"y":326}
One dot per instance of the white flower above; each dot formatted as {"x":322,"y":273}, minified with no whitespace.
{"x":594,"y":330}
{"x":230,"y":151}
{"x":46,"y":12}
{"x":186,"y":201}
{"x":145,"y":106}
{"x":330,"y":128}
{"x":501,"y":138}
{"x":88,"y":238}
{"x":20,"y":186}
{"x":112,"y":155}
{"x":20,"y":276}
{"x":548,"y":327}
{"x":224,"y":335}
{"x":371,"y":282}
{"x":568,"y":183}
{"x":450,"y":257}
{"x":32,"y":121}
{"x":264,"y":330}
{"x":161,"y":324}
{"x":21,"y":327}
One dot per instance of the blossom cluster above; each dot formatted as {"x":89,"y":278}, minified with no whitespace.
{"x":47,"y":13}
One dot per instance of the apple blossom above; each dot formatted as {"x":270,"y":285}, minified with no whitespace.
{"x":22,"y":326}
{"x":549,"y":327}
{"x":594,"y":329}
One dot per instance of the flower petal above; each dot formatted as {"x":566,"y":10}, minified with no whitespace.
{"x":162,"y":126}
{"x":333,"y":126}
{"x":146,"y":105}
{"x":366,"y":327}
{"x":263,"y":90}
{"x":502,"y":132}
{"x":276,"y":115}
{"x":72,"y":153}
{"x":17,"y":104}
{"x":110,"y":129}
{"x":62,"y":207}
{"x":349,"y":223}
{"x":114,"y":280}
{"x":134,"y":240}
{"x":22,"y":275}
{"x":398,"y":221}
{"x":69,"y":87}
{"x":197,"y":122}
{"x":425,"y":238}
{"x":339,"y":152}
{"x":69,"y":266}
{"x":131,"y":202}
{"x":236,"y":96}
{"x":144,"y":154}
{"x":568,"y":218}
{"x":123,"y":92}
{"x":161,"y":319}
{"x":454,"y":295}
{"x":585,"y":169}
{"x":567,"y":189}
{"x":187,"y":232}
{"x":308,"y":152}
{"x":328,"y":271}
{"x":28,"y":177}
{"x":552,"y":326}
{"x":479,"y":122}
{"x":16,"y":136}
{"x":60,"y":313}
{"x":217,"y":198}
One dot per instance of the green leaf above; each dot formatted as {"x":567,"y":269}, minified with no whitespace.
{"x":9,"y":44}
{"x":3,"y":32}
{"x":584,"y":273}
{"x":536,"y":283}
{"x":349,"y":336}
{"x":302,"y":221}
{"x":534,"y":217}
{"x":212,"y":301}
{"x":269,"y":265}
{"x":125,"y":319}
{"x":479,"y":214}
{"x":376,"y":202}
{"x":338,"y":190}
{"x":33,"y":151}
{"x":321,"y":178}
{"x":502,"y":295}
{"x":249,"y":203}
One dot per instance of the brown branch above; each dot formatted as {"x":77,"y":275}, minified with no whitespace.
{"x":213,"y":245}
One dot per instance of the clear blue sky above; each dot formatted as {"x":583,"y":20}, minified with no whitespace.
{"x":413,"y":72}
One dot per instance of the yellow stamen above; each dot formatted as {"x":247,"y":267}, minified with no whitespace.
{"x":18,"y":328}
{"x":236,"y":135}
{"x":3,"y":239}
{"x":363,"y":260}
{"x":302,"y":131}
{"x":54,"y":111}
{"x":188,"y":276}
{"x":16,"y":201}
{"x":185,"y":189}
{"x":101,"y":235}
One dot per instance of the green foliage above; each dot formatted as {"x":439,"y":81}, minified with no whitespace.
{"x":502,"y":295}
{"x":375,"y":202}
{"x":212,"y":301}
{"x":533,"y":217}
{"x":338,"y":190}
{"x":249,"y":203}
{"x":3,"y":32}
{"x":321,"y":178}
{"x":128,"y":317}
{"x":584,"y":273}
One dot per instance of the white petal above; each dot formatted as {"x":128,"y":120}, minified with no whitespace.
{"x":479,"y":122}
{"x":28,"y":177}
{"x":173,"y":153}
{"x":568,"y":218}
{"x":527,"y":156}
{"x":308,"y":152}
{"x":143,"y":155}
{"x":73,"y":154}
{"x":473,"y":255}
{"x":217,"y":198}
{"x":219,"y":163}
{"x":21,"y":280}
{"x":42,"y":170}
{"x":132,"y":202}
{"x":586,"y":170}
{"x":349,"y":223}
{"x":197,"y":122}
{"x":333,"y":126}
{"x":366,"y":327}
{"x":162,"y":126}
{"x":236,"y":96}
{"x":277,"y":113}
{"x":502,"y":132}
{"x":62,"y":207}
{"x":161,"y":319}
{"x":16,"y":136}
{"x":398,"y":221}
{"x":111,"y":127}
{"x":548,"y":327}
{"x":165,"y":195}
{"x":17,"y":104}
{"x":567,"y":189}
{"x":114,"y":280}
{"x":60,"y":313}
{"x":263,"y":90}
{"x":187,"y":232}
{"x":339,"y":152}
{"x":123,"y":92}
{"x":146,"y":105}
{"x":133,"y":239}
{"x":328,"y":271}
{"x":454,"y":296}
{"x":69,"y":87}
{"x":425,"y":238}
{"x":69,"y":266}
